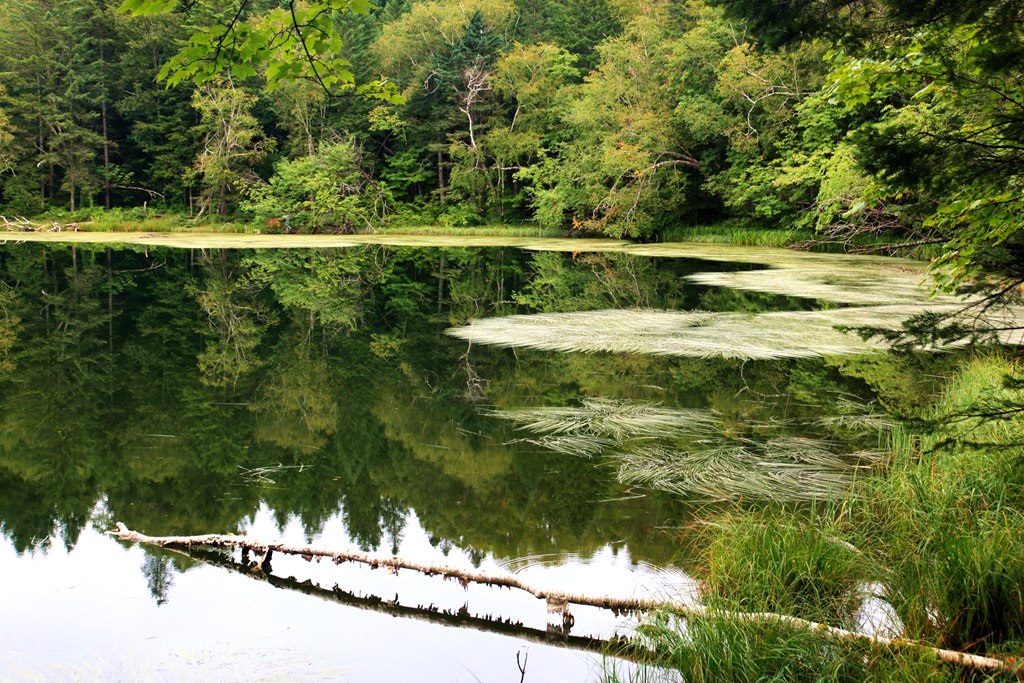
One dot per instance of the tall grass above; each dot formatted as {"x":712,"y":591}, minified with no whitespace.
{"x":741,"y":233}
{"x":493,"y":229}
{"x":718,"y":649}
{"x":732,"y":233}
{"x":951,"y":515}
{"x":941,"y":535}
{"x":97,"y":219}
{"x":757,"y":564}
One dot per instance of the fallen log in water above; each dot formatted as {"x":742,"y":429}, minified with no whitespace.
{"x":458,"y":618}
{"x":558,"y":600}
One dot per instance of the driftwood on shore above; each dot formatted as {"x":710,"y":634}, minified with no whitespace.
{"x":556,"y":600}
{"x":22,"y":224}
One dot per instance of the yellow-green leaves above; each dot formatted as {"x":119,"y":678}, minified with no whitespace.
{"x":146,"y":7}
{"x":298,"y":41}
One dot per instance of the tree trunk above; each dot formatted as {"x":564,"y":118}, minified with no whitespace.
{"x":558,"y":601}
{"x":440,"y":172}
{"x":103,"y":113}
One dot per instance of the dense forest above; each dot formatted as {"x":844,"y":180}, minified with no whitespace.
{"x":604,"y":117}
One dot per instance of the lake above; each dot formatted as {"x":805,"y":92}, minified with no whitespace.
{"x":567,"y":412}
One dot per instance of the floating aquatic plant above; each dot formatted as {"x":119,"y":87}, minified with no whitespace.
{"x":786,"y":334}
{"x":860,"y":284}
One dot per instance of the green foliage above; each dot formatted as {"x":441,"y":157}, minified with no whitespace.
{"x":300,"y":42}
{"x":233,"y":142}
{"x":625,"y":120}
{"x":6,"y":158}
{"x":435,"y":36}
{"x":620,"y":172}
{"x":328,"y":191}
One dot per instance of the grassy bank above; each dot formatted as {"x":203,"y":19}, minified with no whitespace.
{"x":97,"y":220}
{"x":729,"y":232}
{"x":138,"y":220}
{"x":939,"y":537}
{"x":491,"y":229}
{"x":734,"y":232}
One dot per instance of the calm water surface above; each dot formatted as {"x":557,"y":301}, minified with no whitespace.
{"x":314,"y":397}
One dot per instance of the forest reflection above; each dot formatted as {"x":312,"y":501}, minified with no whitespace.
{"x":177,"y":391}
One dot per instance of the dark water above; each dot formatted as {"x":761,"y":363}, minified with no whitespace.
{"x":312,"y":396}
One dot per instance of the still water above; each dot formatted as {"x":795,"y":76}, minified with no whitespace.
{"x":327,"y":398}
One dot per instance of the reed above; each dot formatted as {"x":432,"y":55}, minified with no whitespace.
{"x":951,"y":517}
{"x":757,"y":562}
{"x":726,"y":233}
{"x":495,"y":229}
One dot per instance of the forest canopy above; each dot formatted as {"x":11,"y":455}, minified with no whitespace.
{"x":855,"y":119}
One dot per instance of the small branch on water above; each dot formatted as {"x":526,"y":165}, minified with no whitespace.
{"x":522,"y":665}
{"x":557,"y":599}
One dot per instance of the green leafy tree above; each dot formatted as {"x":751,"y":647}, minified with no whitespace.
{"x":232,"y":142}
{"x":157,"y":148}
{"x":330,"y":190}
{"x":626,"y":168}
{"x":442,"y":53}
{"x":52,"y":67}
{"x":531,"y":83}
{"x":298,"y":41}
{"x":940,"y":106}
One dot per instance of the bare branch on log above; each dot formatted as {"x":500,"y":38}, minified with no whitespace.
{"x":557,"y":599}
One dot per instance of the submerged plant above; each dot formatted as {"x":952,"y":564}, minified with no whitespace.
{"x":685,"y":452}
{"x":779,"y":469}
{"x":617,"y":420}
{"x":856,"y":416}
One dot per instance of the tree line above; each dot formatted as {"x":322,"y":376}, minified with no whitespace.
{"x":606,"y":117}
